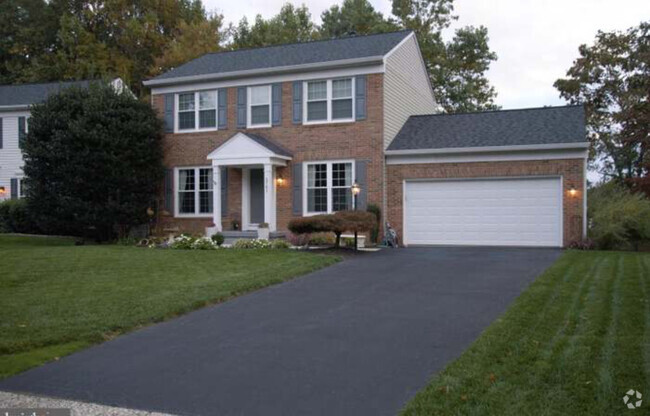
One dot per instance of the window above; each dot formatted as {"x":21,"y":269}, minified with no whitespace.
{"x":329,"y":101}
{"x":21,"y":188}
{"x":195,"y":191}
{"x":328,"y":187}
{"x":259,"y":111}
{"x":197,"y":106}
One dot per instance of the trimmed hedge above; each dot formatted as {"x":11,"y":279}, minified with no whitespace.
{"x":15,"y":217}
{"x":337,"y":223}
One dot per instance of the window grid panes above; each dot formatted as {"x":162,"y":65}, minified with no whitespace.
{"x":195,"y":191}
{"x":317,"y":187}
{"x":205,"y":191}
{"x":342,"y":99}
{"x":207,"y":109}
{"x":260,"y":109}
{"x":317,"y":101}
{"x":341,"y":186}
{"x":186,"y":111}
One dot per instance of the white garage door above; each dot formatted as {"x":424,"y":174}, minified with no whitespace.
{"x":490,"y":212}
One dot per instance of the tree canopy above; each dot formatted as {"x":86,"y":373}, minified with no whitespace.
{"x":611,"y":78}
{"x":56,"y":40}
{"x":93,"y":162}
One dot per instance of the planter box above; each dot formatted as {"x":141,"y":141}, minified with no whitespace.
{"x":210,"y":231}
{"x":263,"y":233}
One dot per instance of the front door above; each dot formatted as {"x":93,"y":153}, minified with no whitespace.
{"x":256,"y":196}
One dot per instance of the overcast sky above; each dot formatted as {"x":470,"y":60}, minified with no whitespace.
{"x":536,"y":40}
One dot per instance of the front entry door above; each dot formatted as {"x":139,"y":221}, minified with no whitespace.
{"x":256,"y":196}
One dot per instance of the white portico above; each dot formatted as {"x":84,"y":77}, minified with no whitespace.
{"x":258,"y":158}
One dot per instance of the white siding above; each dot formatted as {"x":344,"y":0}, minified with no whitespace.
{"x":407,"y":90}
{"x":11,"y":158}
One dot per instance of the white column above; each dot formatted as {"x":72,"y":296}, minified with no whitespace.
{"x":269,"y":199}
{"x":216,"y":196}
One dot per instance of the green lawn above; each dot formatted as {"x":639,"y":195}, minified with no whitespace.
{"x":57,"y":298}
{"x":572,"y":344}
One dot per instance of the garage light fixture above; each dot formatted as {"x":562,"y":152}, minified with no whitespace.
{"x":573,"y":191}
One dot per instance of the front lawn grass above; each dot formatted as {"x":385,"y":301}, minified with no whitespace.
{"x":572,"y":344}
{"x":57,"y":298}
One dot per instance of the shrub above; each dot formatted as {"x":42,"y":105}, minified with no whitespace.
{"x":218,"y":239}
{"x":280,"y":244}
{"x":338,"y":223}
{"x":619,"y":219}
{"x":15,"y":217}
{"x":93,"y":162}
{"x":322,"y":239}
{"x":186,"y":242}
{"x":374,"y":232}
{"x":252,"y":243}
{"x":299,"y":239}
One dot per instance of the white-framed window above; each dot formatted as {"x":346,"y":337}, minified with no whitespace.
{"x":327,"y":186}
{"x":196,"y":111}
{"x":194,"y":191}
{"x":259,"y":106}
{"x":328,"y":101}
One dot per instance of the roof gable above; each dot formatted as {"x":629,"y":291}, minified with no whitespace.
{"x":288,"y":55}
{"x":522,"y":127}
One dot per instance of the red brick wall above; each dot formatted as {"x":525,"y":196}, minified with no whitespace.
{"x":356,"y":140}
{"x":572,"y":171}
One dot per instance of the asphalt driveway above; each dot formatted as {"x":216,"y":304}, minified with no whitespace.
{"x":358,"y":338}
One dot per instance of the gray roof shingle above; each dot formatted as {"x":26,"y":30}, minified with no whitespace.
{"x":288,"y":55}
{"x":530,"y":126}
{"x":28,"y":94}
{"x":272,"y":146}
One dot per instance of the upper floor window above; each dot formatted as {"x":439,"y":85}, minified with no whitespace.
{"x":259,"y":106}
{"x":197,"y":111}
{"x":329,"y":101}
{"x":194,"y":191}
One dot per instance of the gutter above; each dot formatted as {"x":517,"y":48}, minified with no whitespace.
{"x":486,"y":149}
{"x":317,"y":66}
{"x":14,"y":107}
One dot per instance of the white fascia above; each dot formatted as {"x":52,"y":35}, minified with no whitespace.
{"x":481,"y":149}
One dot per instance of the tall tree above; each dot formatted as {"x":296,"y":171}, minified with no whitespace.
{"x":354,"y":16}
{"x":457,"y":68}
{"x":612,"y":79}
{"x":292,"y":24}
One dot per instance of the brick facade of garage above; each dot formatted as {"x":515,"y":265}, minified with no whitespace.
{"x":571,"y":171}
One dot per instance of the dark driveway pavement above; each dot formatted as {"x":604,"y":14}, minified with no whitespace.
{"x":358,"y":338}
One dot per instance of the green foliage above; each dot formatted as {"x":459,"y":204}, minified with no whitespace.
{"x":15,"y":217}
{"x":337,"y":223}
{"x":619,"y":219}
{"x":93,"y":162}
{"x":374,"y":232}
{"x":218,"y":239}
{"x":186,"y":242}
{"x":612,"y":79}
{"x":261,"y":243}
{"x":354,"y":16}
{"x":292,"y":24}
{"x":321,"y":239}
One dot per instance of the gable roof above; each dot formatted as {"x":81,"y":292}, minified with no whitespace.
{"x":368,"y":49}
{"x":24,"y":95}
{"x":521,"y":127}
{"x":272,"y":146}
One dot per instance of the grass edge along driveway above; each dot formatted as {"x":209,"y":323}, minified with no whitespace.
{"x":58,"y":298}
{"x":572,"y":343}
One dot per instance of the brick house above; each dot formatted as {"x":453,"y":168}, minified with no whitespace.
{"x":269,"y":134}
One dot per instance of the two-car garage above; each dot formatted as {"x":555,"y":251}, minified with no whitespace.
{"x":493,"y":178}
{"x":493,"y":212}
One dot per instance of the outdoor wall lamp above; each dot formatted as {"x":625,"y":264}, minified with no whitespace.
{"x":356,"y":189}
{"x":3,"y":190}
{"x":280,"y":180}
{"x":573,"y":191}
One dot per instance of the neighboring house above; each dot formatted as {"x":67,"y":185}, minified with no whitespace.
{"x":269,"y":134}
{"x":15,"y":103}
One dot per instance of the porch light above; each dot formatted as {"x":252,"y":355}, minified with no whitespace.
{"x":356,"y":189}
{"x":573,"y":191}
{"x":280,"y":180}
{"x":3,"y":190}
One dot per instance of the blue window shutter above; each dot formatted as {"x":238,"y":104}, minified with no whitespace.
{"x":21,"y":131}
{"x":361,"y":178}
{"x":14,"y":188}
{"x":224,"y":192}
{"x":297,"y":188}
{"x":169,"y":191}
{"x":276,"y":111}
{"x":1,"y":133}
{"x":169,"y":113}
{"x":360,"y":97}
{"x":222,"y":113}
{"x":297,"y":102}
{"x":241,"y":107}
